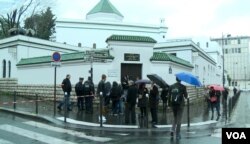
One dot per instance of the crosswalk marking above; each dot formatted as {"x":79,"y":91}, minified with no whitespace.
{"x":5,"y":142}
{"x":33,"y":135}
{"x":70,"y":132}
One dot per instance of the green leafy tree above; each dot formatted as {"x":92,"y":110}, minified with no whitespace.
{"x":11,"y":24}
{"x":43,"y":24}
{"x":3,"y":28}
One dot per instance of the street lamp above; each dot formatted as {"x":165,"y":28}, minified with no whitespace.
{"x":223,"y":61}
{"x":234,"y":77}
{"x":245,"y":77}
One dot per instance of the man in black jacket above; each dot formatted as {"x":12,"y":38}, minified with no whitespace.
{"x":66,"y":86}
{"x":88,"y":93}
{"x":79,"y":89}
{"x":130,"y":103}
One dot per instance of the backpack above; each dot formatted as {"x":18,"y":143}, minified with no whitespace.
{"x":176,"y":97}
{"x":87,"y":88}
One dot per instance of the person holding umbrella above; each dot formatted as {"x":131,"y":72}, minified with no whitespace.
{"x":176,"y":95}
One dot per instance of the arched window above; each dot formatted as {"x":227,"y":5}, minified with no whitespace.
{"x":4,"y":68}
{"x":9,"y":68}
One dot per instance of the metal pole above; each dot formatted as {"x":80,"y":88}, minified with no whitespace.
{"x":101,"y":102}
{"x":55,"y":92}
{"x":223,"y":61}
{"x":36,"y":103}
{"x":65,"y":107}
{"x":14,"y":104}
{"x":188,"y":114}
{"x":91,"y":66}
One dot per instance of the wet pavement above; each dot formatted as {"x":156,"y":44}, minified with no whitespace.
{"x":198,"y":112}
{"x":196,"y":133}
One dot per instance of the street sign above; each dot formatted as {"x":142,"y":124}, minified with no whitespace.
{"x":56,"y":63}
{"x":56,"y":57}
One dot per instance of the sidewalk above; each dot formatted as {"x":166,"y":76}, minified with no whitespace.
{"x":240,"y":116}
{"x":198,"y":115}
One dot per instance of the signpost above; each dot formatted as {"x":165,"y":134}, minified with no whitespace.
{"x":56,"y":58}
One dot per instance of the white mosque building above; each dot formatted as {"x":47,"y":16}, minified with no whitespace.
{"x":108,"y":45}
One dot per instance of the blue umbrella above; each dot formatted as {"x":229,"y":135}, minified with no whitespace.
{"x":188,"y":78}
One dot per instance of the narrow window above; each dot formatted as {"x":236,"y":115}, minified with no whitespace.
{"x":9,"y":69}
{"x":4,"y":68}
{"x":79,"y":45}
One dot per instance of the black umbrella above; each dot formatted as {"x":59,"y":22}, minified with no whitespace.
{"x":145,"y":81}
{"x":158,"y":80}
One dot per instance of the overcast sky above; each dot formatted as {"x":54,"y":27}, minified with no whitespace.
{"x":184,"y":18}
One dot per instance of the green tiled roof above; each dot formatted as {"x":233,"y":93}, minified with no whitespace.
{"x":131,"y":38}
{"x":160,"y":56}
{"x":106,"y":7}
{"x":64,"y":57}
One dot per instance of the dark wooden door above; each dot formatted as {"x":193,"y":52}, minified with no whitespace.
{"x":133,"y":70}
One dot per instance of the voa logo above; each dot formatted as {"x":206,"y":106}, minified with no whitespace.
{"x":236,"y":135}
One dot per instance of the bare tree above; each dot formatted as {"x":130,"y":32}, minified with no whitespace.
{"x":13,"y":20}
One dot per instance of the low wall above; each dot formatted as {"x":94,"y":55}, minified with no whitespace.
{"x":9,"y":85}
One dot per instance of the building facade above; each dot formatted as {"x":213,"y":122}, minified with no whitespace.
{"x":237,"y":57}
{"x":110,"y":47}
{"x":101,"y":22}
{"x":206,"y":67}
{"x":127,"y":55}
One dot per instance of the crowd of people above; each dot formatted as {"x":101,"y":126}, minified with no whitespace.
{"x":125,"y":97}
{"x":215,"y":98}
{"x":84,"y":91}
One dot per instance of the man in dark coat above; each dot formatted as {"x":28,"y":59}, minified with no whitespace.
{"x":235,"y":90}
{"x":101,"y":89}
{"x":101,"y":86}
{"x":115,"y":95}
{"x":88,"y":93}
{"x":79,"y":89}
{"x":130,"y":103}
{"x":143,"y":99}
{"x":153,"y":103}
{"x":177,"y":93}
{"x":67,"y":88}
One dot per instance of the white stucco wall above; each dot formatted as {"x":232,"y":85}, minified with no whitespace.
{"x":8,"y":55}
{"x":44,"y":73}
{"x":145,"y":50}
{"x":205,"y":66}
{"x":162,"y":69}
{"x":88,"y":32}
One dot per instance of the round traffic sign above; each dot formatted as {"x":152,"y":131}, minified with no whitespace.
{"x":56,"y":57}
